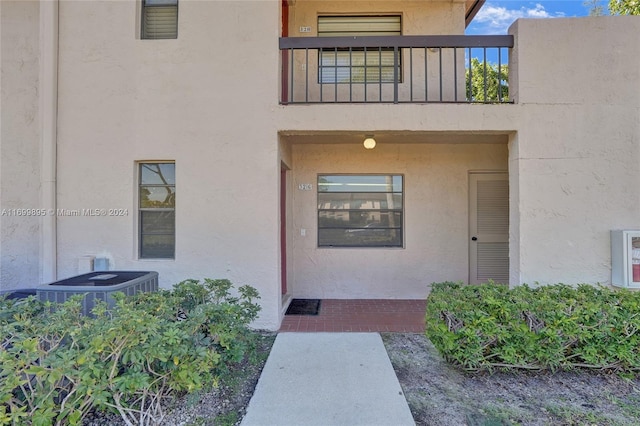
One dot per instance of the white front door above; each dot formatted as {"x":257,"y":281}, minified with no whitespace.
{"x":488,"y":227}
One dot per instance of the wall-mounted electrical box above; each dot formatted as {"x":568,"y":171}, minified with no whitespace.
{"x":625,"y":258}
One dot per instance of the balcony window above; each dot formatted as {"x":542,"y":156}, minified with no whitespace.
{"x":360,"y":210}
{"x":357,"y":65}
{"x":159,"y":19}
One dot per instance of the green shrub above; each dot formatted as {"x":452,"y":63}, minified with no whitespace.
{"x":57,"y":364}
{"x":38,"y":383}
{"x":487,"y":326}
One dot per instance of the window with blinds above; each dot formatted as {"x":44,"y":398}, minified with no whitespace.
{"x":157,"y":210}
{"x":159,"y":19}
{"x":357,"y":65}
{"x":360,"y":210}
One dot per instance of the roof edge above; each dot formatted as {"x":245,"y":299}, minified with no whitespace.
{"x":472,"y":11}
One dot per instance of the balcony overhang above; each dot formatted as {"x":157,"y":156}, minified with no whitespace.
{"x":391,"y":137}
{"x":472,"y":8}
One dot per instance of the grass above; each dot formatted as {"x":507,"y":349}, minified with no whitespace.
{"x":629,"y":406}
{"x":437,"y":390}
{"x":570,"y":415}
{"x":228,"y":419}
{"x":505,"y":414}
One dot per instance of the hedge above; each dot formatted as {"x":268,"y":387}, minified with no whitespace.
{"x":483,"y":327}
{"x":56,"y":365}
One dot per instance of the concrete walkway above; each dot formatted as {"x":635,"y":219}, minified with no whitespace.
{"x":328,"y":379}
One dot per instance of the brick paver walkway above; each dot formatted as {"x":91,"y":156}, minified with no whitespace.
{"x":362,"y":315}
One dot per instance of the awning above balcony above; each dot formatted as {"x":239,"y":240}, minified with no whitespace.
{"x":472,"y":7}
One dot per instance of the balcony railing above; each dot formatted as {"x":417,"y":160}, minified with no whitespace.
{"x":395,"y":69}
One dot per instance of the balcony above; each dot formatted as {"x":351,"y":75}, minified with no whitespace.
{"x":395,"y":69}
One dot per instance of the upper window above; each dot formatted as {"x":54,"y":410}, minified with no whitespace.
{"x":157,"y":205}
{"x":360,"y":210}
{"x":357,"y":65}
{"x":159,"y":19}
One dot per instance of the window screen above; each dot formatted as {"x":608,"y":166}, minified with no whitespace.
{"x":360,"y":210}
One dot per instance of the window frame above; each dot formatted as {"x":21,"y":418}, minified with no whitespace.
{"x":361,"y":54}
{"x":144,"y":35}
{"x":370,"y":233}
{"x":140,"y":210}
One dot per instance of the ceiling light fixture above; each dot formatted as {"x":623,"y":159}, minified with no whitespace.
{"x":369,"y":142}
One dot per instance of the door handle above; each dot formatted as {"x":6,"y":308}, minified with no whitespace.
{"x":474,"y":238}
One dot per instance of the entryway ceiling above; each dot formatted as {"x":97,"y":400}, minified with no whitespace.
{"x":392,"y":137}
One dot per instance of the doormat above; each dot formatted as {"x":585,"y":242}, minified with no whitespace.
{"x":304,"y":307}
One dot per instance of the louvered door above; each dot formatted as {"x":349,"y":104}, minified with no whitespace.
{"x":489,"y":227}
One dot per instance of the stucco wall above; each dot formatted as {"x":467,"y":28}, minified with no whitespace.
{"x":208,"y":101}
{"x":19,"y":144}
{"x":202,"y":100}
{"x":436,"y":218}
{"x":576,"y":159}
{"x":417,"y":18}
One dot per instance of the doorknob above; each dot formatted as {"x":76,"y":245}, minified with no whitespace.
{"x":474,"y":238}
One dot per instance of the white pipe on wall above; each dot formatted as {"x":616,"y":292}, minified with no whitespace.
{"x":48,"y":136}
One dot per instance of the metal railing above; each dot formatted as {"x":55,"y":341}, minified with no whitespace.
{"x":395,"y":69}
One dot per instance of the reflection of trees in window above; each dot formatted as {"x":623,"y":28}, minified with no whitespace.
{"x":146,"y":198}
{"x":322,"y":181}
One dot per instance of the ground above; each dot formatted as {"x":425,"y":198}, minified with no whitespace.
{"x":441,"y":395}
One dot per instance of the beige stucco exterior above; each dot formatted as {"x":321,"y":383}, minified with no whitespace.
{"x":209,"y":102}
{"x":20,"y":132}
{"x":576,"y":159}
{"x":436,"y":218}
{"x":197,"y":101}
{"x":417,"y":18}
